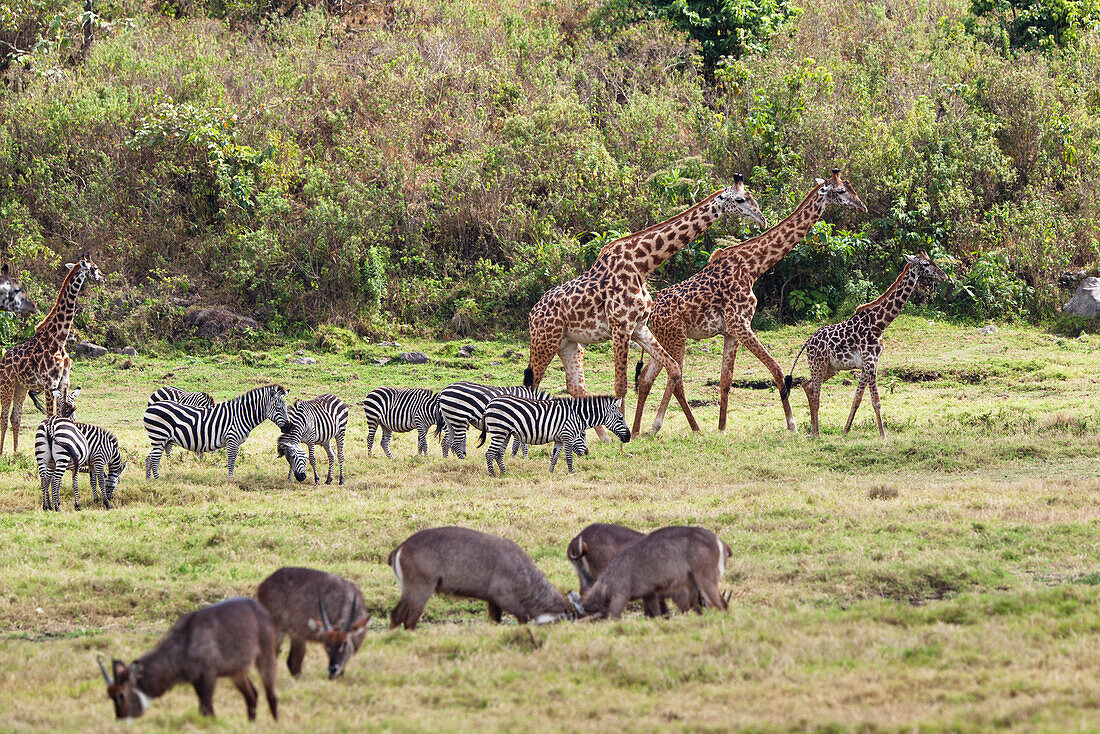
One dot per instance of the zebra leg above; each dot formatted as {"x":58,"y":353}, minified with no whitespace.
{"x":55,"y":484}
{"x":313,"y":466}
{"x":387,"y":436}
{"x":340,"y":454}
{"x":554,"y":455}
{"x":168,"y":450}
{"x":44,"y":474}
{"x":76,"y":485}
{"x":516,"y":446}
{"x":569,"y":456}
{"x":496,"y":450}
{"x":331,"y":460}
{"x":370,"y":438}
{"x":445,"y":442}
{"x":422,"y":440}
{"x":458,"y":443}
{"x":95,"y":467}
{"x":152,"y":462}
{"x":231,"y":447}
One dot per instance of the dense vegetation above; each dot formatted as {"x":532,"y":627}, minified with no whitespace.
{"x":443,"y":164}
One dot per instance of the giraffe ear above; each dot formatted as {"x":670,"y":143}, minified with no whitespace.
{"x":912,"y":259}
{"x":819,"y":181}
{"x":70,"y":266}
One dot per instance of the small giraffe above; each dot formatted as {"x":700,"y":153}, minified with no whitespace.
{"x":856,"y":343}
{"x":719,"y":300}
{"x":610,"y":300}
{"x":41,"y":362}
{"x":11,"y":295}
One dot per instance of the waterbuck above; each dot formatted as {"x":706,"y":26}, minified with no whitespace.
{"x":299,"y":600}
{"x":468,"y":563}
{"x":593,"y":549}
{"x":684,"y":563}
{"x":222,"y":640}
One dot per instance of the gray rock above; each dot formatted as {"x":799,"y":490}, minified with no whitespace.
{"x":987,"y":330}
{"x":216,"y":321}
{"x":391,"y":345}
{"x":87,"y":350}
{"x":411,"y":358}
{"x":1086,"y":301}
{"x":304,"y":360}
{"x":128,"y":351}
{"x":299,"y":352}
{"x":379,"y":362}
{"x":466,"y":351}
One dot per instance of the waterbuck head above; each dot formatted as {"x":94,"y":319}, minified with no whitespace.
{"x":123,"y":688}
{"x":340,"y":643}
{"x":290,"y":448}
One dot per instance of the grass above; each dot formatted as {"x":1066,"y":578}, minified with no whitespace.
{"x":944,"y":579}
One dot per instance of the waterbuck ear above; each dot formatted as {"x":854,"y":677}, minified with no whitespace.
{"x":360,"y":624}
{"x":315,"y":626}
{"x":121,"y":672}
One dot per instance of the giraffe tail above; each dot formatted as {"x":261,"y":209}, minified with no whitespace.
{"x":788,"y":381}
{"x":528,"y":378}
{"x":638,"y":371}
{"x":33,"y":395}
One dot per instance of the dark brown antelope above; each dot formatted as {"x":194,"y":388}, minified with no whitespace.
{"x":684,"y":563}
{"x":220,"y":641}
{"x":299,"y":600}
{"x":467,"y":563}
{"x":592,"y":550}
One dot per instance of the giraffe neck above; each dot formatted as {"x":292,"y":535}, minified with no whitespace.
{"x":761,"y":253}
{"x":880,"y":312}
{"x":650,"y":248}
{"x":54,"y":329}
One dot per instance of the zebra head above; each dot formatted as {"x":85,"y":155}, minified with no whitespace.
{"x":274,"y":405}
{"x":290,"y":448}
{"x":613,"y":419}
{"x":112,"y":481}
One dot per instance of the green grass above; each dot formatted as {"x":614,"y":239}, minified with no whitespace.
{"x":944,"y":579}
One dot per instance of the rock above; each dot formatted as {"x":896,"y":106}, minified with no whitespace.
{"x":128,"y":351}
{"x":216,"y":321}
{"x":304,"y":360}
{"x":511,"y":353}
{"x":299,"y":352}
{"x":987,"y":330}
{"x":466,"y":351}
{"x":379,"y":362}
{"x":87,"y":350}
{"x":411,"y":358}
{"x":1086,"y":301}
{"x":1070,"y":278}
{"x":391,"y":345}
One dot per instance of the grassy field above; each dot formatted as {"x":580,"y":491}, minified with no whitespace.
{"x":947,"y":579}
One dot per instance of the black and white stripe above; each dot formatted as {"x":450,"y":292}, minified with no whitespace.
{"x":463,"y":404}
{"x":558,"y":421}
{"x":58,"y":446}
{"x":177,"y":395}
{"x":313,"y":422}
{"x":207,"y":429}
{"x":104,"y":464}
{"x":400,"y":410}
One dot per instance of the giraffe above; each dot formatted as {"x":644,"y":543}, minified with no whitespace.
{"x":41,"y":362}
{"x":719,"y":300}
{"x":11,"y":295}
{"x":856,"y":343}
{"x":610,"y":300}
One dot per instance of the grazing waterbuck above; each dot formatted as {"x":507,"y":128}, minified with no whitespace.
{"x":223,"y":640}
{"x":463,"y":562}
{"x":299,"y":600}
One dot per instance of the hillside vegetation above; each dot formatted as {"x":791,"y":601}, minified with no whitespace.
{"x":442,"y":164}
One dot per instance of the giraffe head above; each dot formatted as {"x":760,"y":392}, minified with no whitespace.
{"x":87,"y":269}
{"x":926,"y":269}
{"x":737,"y":200}
{"x":839,"y":191}
{"x":11,"y":295}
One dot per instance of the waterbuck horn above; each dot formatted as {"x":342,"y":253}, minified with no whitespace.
{"x":103,"y":669}
{"x":351,"y":617}
{"x":727,"y":596}
{"x":324,"y":616}
{"x":575,"y":600}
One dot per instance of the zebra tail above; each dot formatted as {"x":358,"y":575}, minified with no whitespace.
{"x":788,"y":381}
{"x":439,"y":423}
{"x":33,"y":395}
{"x":528,"y":378}
{"x":481,"y":439}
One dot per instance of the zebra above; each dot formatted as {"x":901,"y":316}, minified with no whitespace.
{"x":176,"y":395}
{"x":400,"y":410}
{"x":463,"y":404}
{"x":104,"y":464}
{"x":206,"y":429}
{"x":313,"y":422}
{"x":562,"y":421}
{"x":58,"y":445}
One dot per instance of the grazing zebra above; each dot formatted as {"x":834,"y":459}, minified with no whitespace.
{"x":463,"y":404}
{"x":400,"y":410}
{"x":176,"y":395}
{"x":104,"y":464}
{"x":58,"y":445}
{"x":206,"y":429}
{"x":313,"y":422}
{"x":562,"y":421}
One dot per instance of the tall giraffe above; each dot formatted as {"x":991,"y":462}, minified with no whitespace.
{"x":11,"y":295}
{"x":719,"y":300}
{"x":610,"y":300}
{"x":856,"y":343}
{"x":41,"y":362}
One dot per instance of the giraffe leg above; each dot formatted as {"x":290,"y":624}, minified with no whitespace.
{"x":670,"y":356}
{"x":812,"y":387}
{"x":572,"y":356}
{"x":875,"y":402}
{"x":725,"y":380}
{"x":547,"y":334}
{"x":17,"y":412}
{"x":745,"y":335}
{"x":6,"y":394}
{"x":864,"y":375}
{"x":645,"y":384}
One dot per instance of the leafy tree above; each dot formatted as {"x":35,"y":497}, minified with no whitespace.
{"x":1037,"y":24}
